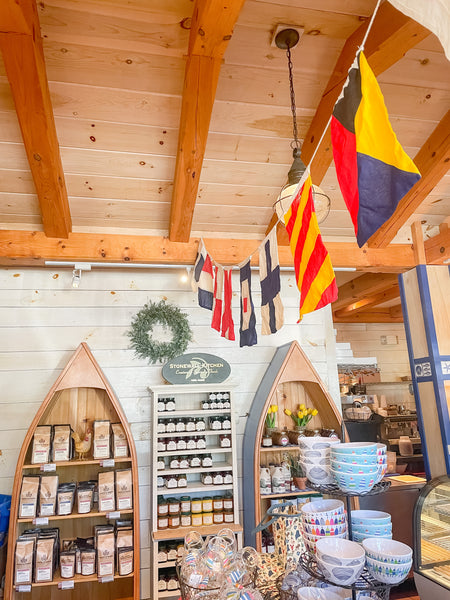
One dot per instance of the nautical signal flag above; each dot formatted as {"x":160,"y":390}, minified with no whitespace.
{"x":373,"y":170}
{"x":202,"y":277}
{"x":313,"y":269}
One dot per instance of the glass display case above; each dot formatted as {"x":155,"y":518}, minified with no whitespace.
{"x":432,"y":540}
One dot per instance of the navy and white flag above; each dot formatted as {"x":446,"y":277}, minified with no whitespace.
{"x":272,"y":311}
{"x":202,"y":278}
{"x":247,"y":329}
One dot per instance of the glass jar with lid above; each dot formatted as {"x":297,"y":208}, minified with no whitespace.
{"x":215,"y":423}
{"x":207,"y":478}
{"x":218,"y":517}
{"x":170,"y":404}
{"x":200,"y":424}
{"x":225,"y":440}
{"x":190,"y":424}
{"x":186,"y":519}
{"x":201,"y":442}
{"x":163,"y":522}
{"x":163,"y":507}
{"x":218,"y":503}
{"x":207,"y":504}
{"x":185,"y":504}
{"x":195,"y":461}
{"x":161,"y":404}
{"x":180,"y":425}
{"x":161,"y":445}
{"x":207,"y":460}
{"x":218,"y":478}
{"x":170,"y":425}
{"x":226,"y":400}
{"x":161,"y":428}
{"x":228,"y":502}
{"x":184,"y":462}
{"x":227,"y":477}
{"x":174,"y":505}
{"x":267,"y":440}
{"x":174,"y":462}
{"x":161,"y":465}
{"x":172,"y":551}
{"x":191,"y":443}
{"x":226,"y":422}
{"x":162,"y":553}
{"x":171,"y":444}
{"x":171,"y":481}
{"x":197,"y":519}
{"x":181,"y":443}
{"x":205,"y":404}
{"x":196,"y":505}
{"x":208,"y":518}
{"x":174,"y":520}
{"x":182,"y":480}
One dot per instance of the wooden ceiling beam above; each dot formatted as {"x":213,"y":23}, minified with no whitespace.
{"x":364,"y":286}
{"x":211,"y":30}
{"x":368,"y":302}
{"x":433,"y":161}
{"x":391,"y":36}
{"x":23,"y":56}
{"x":376,"y":315}
{"x":33,"y":248}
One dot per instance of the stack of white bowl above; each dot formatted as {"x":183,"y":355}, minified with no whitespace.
{"x":387,"y":561}
{"x":341,"y":561}
{"x":323,"y":518}
{"x":315,"y":458}
{"x":370,"y":524}
{"x":354,"y":466}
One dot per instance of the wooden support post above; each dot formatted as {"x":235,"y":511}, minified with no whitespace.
{"x":418,"y":245}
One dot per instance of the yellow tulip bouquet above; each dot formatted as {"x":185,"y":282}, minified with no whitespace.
{"x":303,"y":416}
{"x":271,"y":416}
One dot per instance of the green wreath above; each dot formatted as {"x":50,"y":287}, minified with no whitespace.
{"x":167,"y":315}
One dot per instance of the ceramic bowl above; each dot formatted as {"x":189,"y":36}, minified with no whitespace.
{"x":320,"y":475}
{"x":360,"y":537}
{"x":317,"y":519}
{"x":353,"y":459}
{"x":355,"y":449}
{"x":388,"y":572}
{"x":310,"y":546}
{"x":340,"y":552}
{"x":357,"y":469}
{"x":340,"y":575}
{"x":370,"y":517}
{"x":348,"y":482}
{"x":314,"y":537}
{"x":381,"y":473}
{"x":384,"y":550}
{"x":317,"y":443}
{"x":314,"y":593}
{"x":381,"y":449}
{"x":330,"y":530}
{"x":312,"y":454}
{"x":314,"y":460}
{"x":323,"y":510}
{"x":373,"y":530}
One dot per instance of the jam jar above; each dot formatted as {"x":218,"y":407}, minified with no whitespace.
{"x":170,"y":426}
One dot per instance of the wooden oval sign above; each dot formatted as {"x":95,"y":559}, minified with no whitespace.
{"x":196,"y":368}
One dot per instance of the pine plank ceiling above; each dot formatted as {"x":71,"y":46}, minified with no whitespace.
{"x":116,"y":76}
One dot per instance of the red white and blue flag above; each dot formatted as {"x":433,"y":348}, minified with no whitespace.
{"x":247,"y":329}
{"x":272,"y":312}
{"x":216,"y":321}
{"x":202,"y":279}
{"x":227,"y":316}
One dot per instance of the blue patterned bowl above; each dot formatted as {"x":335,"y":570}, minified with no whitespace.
{"x":358,"y":469}
{"x":355,"y":448}
{"x":387,"y":572}
{"x":383,"y":550}
{"x":370,"y":517}
{"x":348,"y":482}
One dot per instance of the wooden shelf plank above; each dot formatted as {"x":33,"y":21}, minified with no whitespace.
{"x":77,"y":579}
{"x":306,"y":492}
{"x":221,"y":466}
{"x":193,"y":488}
{"x":76,"y":463}
{"x":279,"y":448}
{"x":193,"y":413}
{"x":167,"y":564}
{"x":89,"y":515}
{"x":193,"y":433}
{"x":180,"y":532}
{"x":192,"y":452}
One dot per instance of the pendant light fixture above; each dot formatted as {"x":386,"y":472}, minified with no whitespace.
{"x":285,"y":40}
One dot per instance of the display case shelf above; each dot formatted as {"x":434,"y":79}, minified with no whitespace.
{"x":193,"y":488}
{"x":44,"y":467}
{"x":89,"y":515}
{"x":180,"y":532}
{"x":194,"y":452}
{"x":193,"y":433}
{"x":77,"y":579}
{"x":192,"y":413}
{"x":220,"y":466}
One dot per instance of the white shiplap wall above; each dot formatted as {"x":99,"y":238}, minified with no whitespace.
{"x":43,"y":319}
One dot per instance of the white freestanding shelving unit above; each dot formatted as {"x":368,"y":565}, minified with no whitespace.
{"x":188,"y":401}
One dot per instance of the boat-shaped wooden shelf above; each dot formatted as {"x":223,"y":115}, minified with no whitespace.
{"x":290,"y":380}
{"x":80,"y":395}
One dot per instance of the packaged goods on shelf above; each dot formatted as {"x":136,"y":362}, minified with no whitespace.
{"x":101,"y":439}
{"x":42,"y":439}
{"x":24,"y":561}
{"x":62,"y":443}
{"x":106,"y":499}
{"x":29,"y":496}
{"x":65,"y":498}
{"x":119,"y":441}
{"x":47,"y":495}
{"x":124,"y":489}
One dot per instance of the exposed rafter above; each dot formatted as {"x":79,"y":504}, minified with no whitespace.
{"x":211,"y":30}
{"x":437,"y":248}
{"x":376,"y":315}
{"x":433,"y":161}
{"x":364,"y":286}
{"x":33,"y":248}
{"x":21,"y":46}
{"x":368,"y":302}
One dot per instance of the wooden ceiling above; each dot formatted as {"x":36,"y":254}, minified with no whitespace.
{"x":173,"y":122}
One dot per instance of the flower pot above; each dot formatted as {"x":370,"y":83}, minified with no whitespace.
{"x":300,"y":482}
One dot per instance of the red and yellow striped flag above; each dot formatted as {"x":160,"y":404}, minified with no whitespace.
{"x":313,"y":269}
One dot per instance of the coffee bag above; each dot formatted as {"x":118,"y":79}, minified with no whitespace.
{"x":42,"y":438}
{"x":85,"y":496}
{"x":120,"y":444}
{"x":67,"y":564}
{"x":65,"y":498}
{"x":125,"y":560}
{"x":88,"y":561}
{"x":44,"y":560}
{"x":105,"y":554}
{"x":29,"y":496}
{"x":124,"y":489}
{"x":106,"y":501}
{"x":47,"y":495}
{"x":62,"y":442}
{"x":101,"y":439}
{"x":24,"y":561}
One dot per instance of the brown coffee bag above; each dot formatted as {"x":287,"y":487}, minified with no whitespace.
{"x":23,"y":574}
{"x":85,"y":497}
{"x":61,"y":442}
{"x":125,"y":560}
{"x":47,"y":495}
{"x":67,"y":564}
{"x":42,"y":438}
{"x":105,"y":554}
{"x":29,"y":496}
{"x":88,"y":562}
{"x":101,"y":439}
{"x":120,"y":444}
{"x":124,"y":489}
{"x":106,"y":501}
{"x":65,"y":498}
{"x":43,"y":570}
